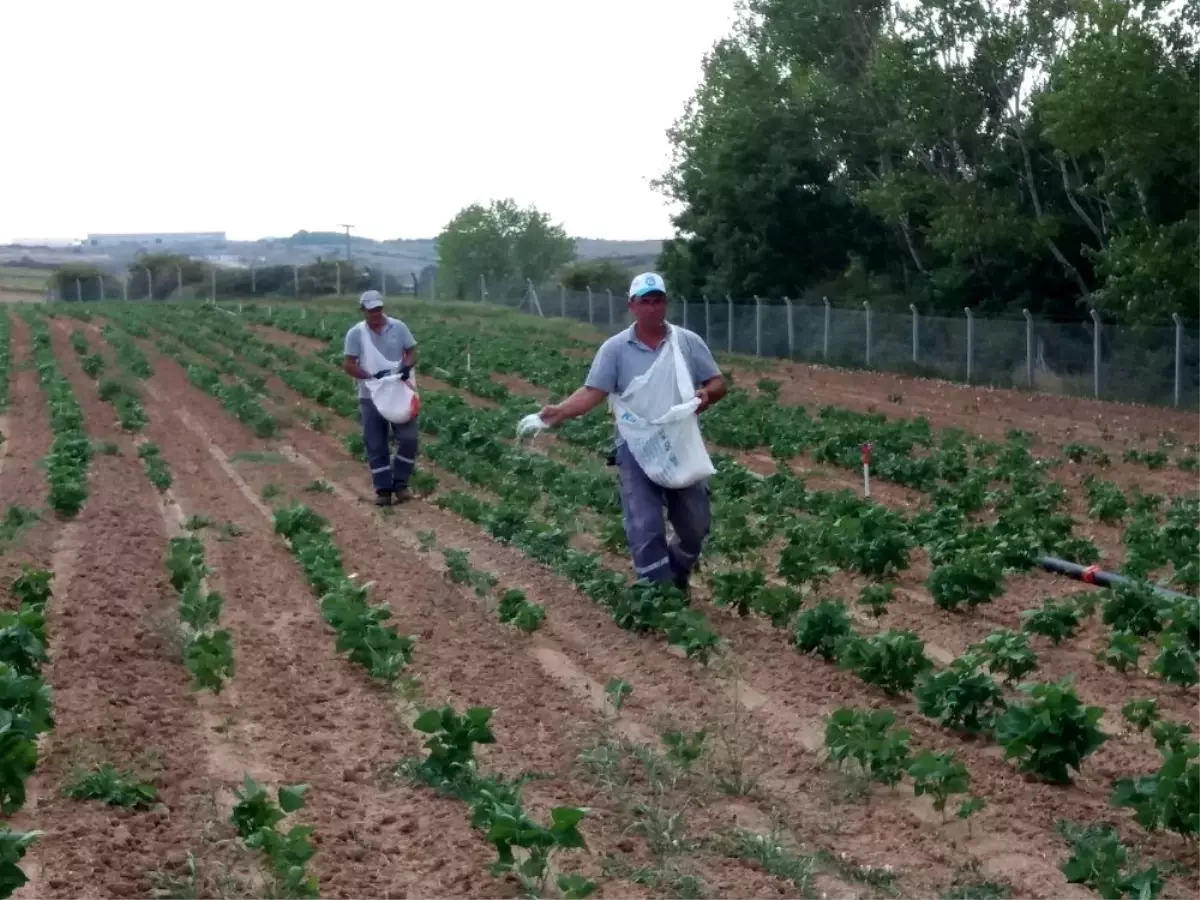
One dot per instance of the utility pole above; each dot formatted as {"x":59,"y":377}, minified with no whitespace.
{"x":347,"y":227}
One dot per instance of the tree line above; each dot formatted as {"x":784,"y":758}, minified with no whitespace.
{"x":991,"y":154}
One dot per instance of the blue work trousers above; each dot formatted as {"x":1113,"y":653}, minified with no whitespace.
{"x":689,"y":511}
{"x":388,"y":472}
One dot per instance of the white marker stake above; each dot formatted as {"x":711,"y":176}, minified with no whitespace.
{"x":866,"y":464}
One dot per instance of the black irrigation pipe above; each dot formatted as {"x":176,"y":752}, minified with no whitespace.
{"x":1096,"y":575}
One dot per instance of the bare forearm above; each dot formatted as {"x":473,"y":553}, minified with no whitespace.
{"x":579,"y":403}
{"x":582,"y":402}
{"x":354,"y":370}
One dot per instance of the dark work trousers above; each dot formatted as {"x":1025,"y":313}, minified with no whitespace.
{"x":688,"y":509}
{"x":388,"y":472}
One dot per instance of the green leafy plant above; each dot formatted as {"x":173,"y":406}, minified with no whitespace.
{"x":961,"y":697}
{"x":451,"y":761}
{"x":13,"y":846}
{"x":1141,"y":713}
{"x":892,"y":660}
{"x":821,"y":629}
{"x":1100,"y":861}
{"x":255,"y":816}
{"x":1052,"y":733}
{"x":154,"y":465}
{"x":1106,"y":503}
{"x":1056,"y":621}
{"x":876,"y":597}
{"x":973,"y":578}
{"x":617,"y":690}
{"x":867,"y":738}
{"x":1005,"y":652}
{"x":940,"y":775}
{"x":116,"y":788}
{"x":1176,"y":661}
{"x":514,"y":609}
{"x":1122,"y":651}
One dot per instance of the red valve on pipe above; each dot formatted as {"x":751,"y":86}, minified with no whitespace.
{"x":866,"y":454}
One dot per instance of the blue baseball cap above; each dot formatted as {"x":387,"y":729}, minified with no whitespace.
{"x":647,"y":283}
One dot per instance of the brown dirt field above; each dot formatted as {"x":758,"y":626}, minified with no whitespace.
{"x":773,"y":674}
{"x":460,"y":632}
{"x":295,"y":712}
{"x":26,"y":429}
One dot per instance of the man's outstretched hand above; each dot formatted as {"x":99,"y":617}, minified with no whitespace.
{"x":552,"y":415}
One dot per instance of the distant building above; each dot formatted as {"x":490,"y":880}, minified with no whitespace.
{"x":157,"y":239}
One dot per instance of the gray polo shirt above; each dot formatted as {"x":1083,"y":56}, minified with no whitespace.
{"x":393,"y":339}
{"x":623,"y":358}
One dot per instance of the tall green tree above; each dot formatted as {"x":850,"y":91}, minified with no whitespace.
{"x":502,"y":243}
{"x":995,"y":154}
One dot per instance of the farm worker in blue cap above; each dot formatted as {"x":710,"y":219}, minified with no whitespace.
{"x":622,"y":358}
{"x":394,"y":341}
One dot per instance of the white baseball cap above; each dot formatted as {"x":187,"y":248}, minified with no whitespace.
{"x":647,"y":283}
{"x":371,"y":300}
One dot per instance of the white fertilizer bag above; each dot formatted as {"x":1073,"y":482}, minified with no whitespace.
{"x":656,"y":415}
{"x":531,"y":424}
{"x":396,"y":400}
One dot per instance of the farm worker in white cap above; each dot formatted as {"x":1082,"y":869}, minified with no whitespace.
{"x":622,"y":358}
{"x":394,"y":341}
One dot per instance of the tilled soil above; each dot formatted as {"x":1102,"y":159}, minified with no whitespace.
{"x":27,"y":439}
{"x":798,"y":692}
{"x":295,"y":712}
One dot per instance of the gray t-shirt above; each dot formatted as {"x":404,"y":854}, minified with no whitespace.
{"x":391,"y":341}
{"x":623,"y":358}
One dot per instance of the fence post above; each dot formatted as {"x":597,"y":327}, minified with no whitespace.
{"x":916,"y":331}
{"x":611,"y":315}
{"x":757,"y":326}
{"x":78,"y":291}
{"x":1095,"y":352}
{"x":1178,"y":357}
{"x":382,"y":282}
{"x":149,"y":284}
{"x":337,"y":265}
{"x":683,"y":301}
{"x":970,"y":342}
{"x":562,"y":300}
{"x":482,"y":288}
{"x":791,"y":327}
{"x":729,"y":336}
{"x":213,"y":273}
{"x":867,"y":308}
{"x":254,"y":281}
{"x":125,"y":288}
{"x":825,"y":340}
{"x":1028,"y":348}
{"x":591,"y":308}
{"x":707,"y":319}
{"x":100,"y":278}
{"x":179,"y":281}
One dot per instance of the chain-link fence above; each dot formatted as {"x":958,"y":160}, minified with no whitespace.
{"x":1155,"y":365}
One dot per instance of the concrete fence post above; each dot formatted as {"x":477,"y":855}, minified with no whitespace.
{"x":970,"y":343}
{"x":1096,"y":323}
{"x":825,"y":338}
{"x":791,"y":328}
{"x":867,"y":310}
{"x":757,"y":326}
{"x":1178,"y":357}
{"x":729,"y":335}
{"x":916,"y":334}
{"x":1028,"y":348}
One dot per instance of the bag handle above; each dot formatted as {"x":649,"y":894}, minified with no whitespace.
{"x":683,"y":375}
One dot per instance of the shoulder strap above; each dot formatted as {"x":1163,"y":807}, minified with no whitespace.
{"x":683,"y":372}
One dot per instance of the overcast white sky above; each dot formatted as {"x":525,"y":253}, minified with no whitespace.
{"x":261,"y":117}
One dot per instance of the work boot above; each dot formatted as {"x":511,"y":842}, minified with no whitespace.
{"x":403,"y":495}
{"x":683,"y":583}
{"x":383,"y":498}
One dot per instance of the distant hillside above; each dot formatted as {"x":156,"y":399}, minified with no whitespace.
{"x":400,"y":257}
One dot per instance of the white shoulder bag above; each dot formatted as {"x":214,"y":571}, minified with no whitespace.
{"x":656,"y":415}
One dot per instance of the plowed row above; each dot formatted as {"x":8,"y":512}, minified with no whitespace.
{"x":761,"y":814}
